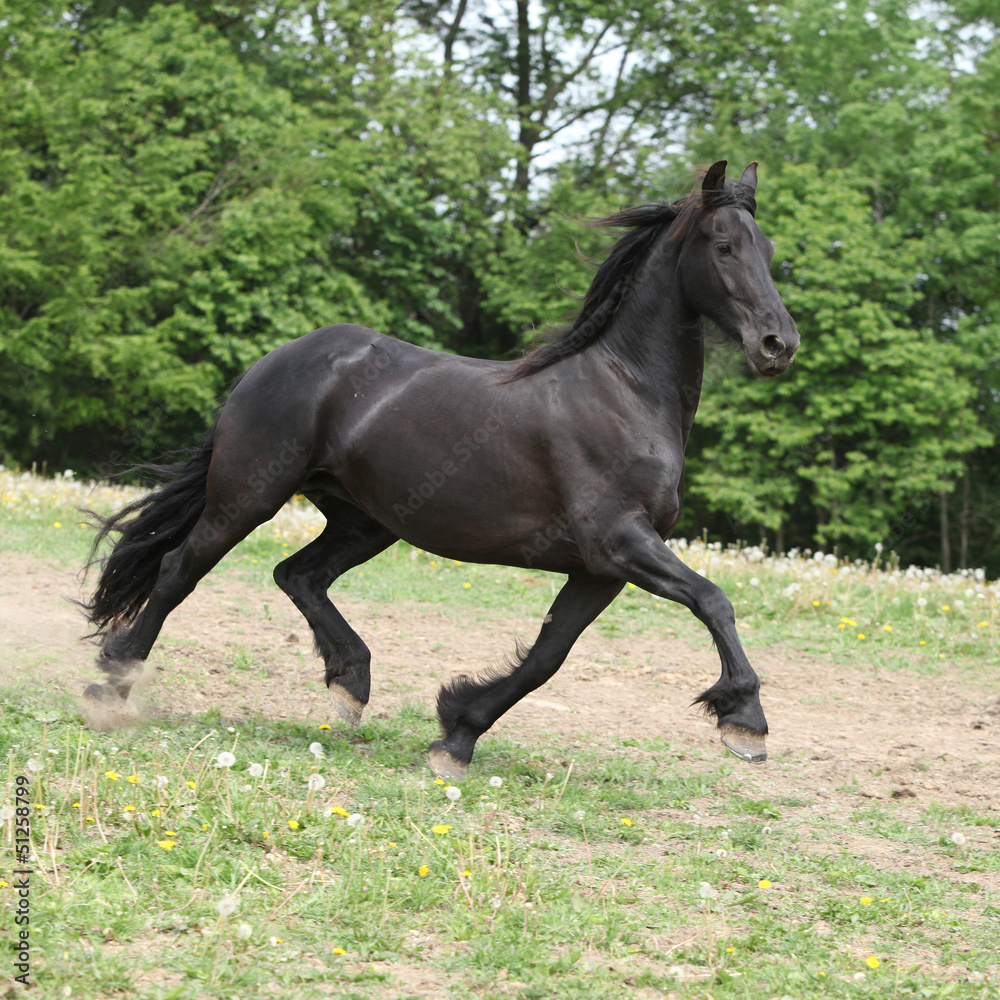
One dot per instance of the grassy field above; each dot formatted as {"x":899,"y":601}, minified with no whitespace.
{"x":214,"y":860}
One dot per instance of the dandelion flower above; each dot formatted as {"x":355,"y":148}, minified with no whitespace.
{"x":170,"y":833}
{"x":423,"y":870}
{"x":244,"y":931}
{"x":192,"y":785}
{"x":293,"y":824}
{"x":339,"y":951}
{"x":324,"y":726}
{"x":958,"y":838}
{"x":705,"y":891}
{"x":872,"y":962}
{"x":340,"y":811}
{"x":129,"y":809}
{"x":76,"y":805}
{"x":167,"y":845}
{"x":861,"y":635}
{"x":866,"y":901}
{"x":111,"y":775}
{"x":944,"y":607}
{"x":453,"y":793}
{"x":439,"y":781}
{"x":226,"y":906}
{"x":316,"y":749}
{"x":255,"y":770}
{"x":764,"y":883}
{"x":467,"y":873}
{"x":496,"y":781}
{"x":441,"y":828}
{"x":316,"y":782}
{"x":888,"y":628}
{"x":225,"y":759}
{"x":133,"y":779}
{"x":625,"y":821}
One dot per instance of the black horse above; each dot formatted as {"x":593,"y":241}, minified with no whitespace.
{"x":569,"y":460}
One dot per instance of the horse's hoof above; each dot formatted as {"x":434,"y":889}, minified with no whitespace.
{"x":445,"y":766}
{"x":348,"y":707}
{"x":744,"y":744}
{"x":105,"y":694}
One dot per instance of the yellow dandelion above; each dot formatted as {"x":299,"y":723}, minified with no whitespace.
{"x":129,"y":809}
{"x":467,"y":873}
{"x":167,"y":845}
{"x":821,"y":973}
{"x":340,"y":811}
{"x":861,"y":635}
{"x":944,"y":607}
{"x":193,"y":786}
{"x":439,"y":781}
{"x":4,"y":885}
{"x":872,"y":962}
{"x":339,"y":951}
{"x":90,"y":819}
{"x":815,"y":604}
{"x":57,"y":524}
{"x":111,"y":775}
{"x":391,"y":844}
{"x":204,"y":826}
{"x":466,"y":585}
{"x":293,"y":824}
{"x":888,"y":628}
{"x":441,"y":828}
{"x":923,"y":642}
{"x":133,"y":779}
{"x":76,"y":805}
{"x":170,"y":833}
{"x":625,"y":821}
{"x":764,"y":883}
{"x":730,"y":951}
{"x":325,"y":726}
{"x":265,"y":834}
{"x":423,"y":870}
{"x":841,"y":625}
{"x":983,"y":625}
{"x":155,"y":812}
{"x":866,"y":901}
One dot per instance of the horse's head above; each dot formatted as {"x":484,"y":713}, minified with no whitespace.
{"x":725,"y":271}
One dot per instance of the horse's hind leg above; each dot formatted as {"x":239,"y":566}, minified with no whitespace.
{"x":468,"y":706}
{"x":350,"y":538}
{"x":214,"y":534}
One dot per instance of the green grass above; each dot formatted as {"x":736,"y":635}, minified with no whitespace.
{"x":620,"y":869}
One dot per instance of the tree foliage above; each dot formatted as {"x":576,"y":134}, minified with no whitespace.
{"x":185,"y":185}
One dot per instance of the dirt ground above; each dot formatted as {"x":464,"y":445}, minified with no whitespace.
{"x":838,"y":734}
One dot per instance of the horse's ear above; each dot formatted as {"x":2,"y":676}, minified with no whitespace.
{"x":715,"y":179}
{"x":749,"y":176}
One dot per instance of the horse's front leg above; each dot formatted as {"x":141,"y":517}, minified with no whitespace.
{"x":632,"y":549}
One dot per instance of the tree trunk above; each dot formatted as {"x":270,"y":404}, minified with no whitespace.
{"x":528,"y":135}
{"x":945,"y":540}
{"x":963,"y":524}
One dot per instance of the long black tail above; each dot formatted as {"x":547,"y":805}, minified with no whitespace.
{"x":149,"y":528}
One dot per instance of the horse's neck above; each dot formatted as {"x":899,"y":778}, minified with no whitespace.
{"x":659,"y":347}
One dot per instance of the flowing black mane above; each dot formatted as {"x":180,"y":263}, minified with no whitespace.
{"x":616,"y":275}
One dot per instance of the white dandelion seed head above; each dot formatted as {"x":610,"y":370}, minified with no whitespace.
{"x":453,"y":793}
{"x":496,"y":781}
{"x":161,"y":781}
{"x":754,"y":582}
{"x":958,"y":838}
{"x":256,"y":770}
{"x":244,"y":931}
{"x":355,"y":820}
{"x":767,"y":829}
{"x":33,"y":764}
{"x":6,"y":813}
{"x":226,"y":906}
{"x":705,"y":891}
{"x":316,"y":782}
{"x":921,"y":603}
{"x":721,"y":853}
{"x":316,"y":749}
{"x":225,"y":759}
{"x":578,"y":815}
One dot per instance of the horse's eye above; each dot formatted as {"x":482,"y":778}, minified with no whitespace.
{"x":723,"y":248}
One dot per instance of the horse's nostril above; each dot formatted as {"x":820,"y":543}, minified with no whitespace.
{"x":772,"y":345}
